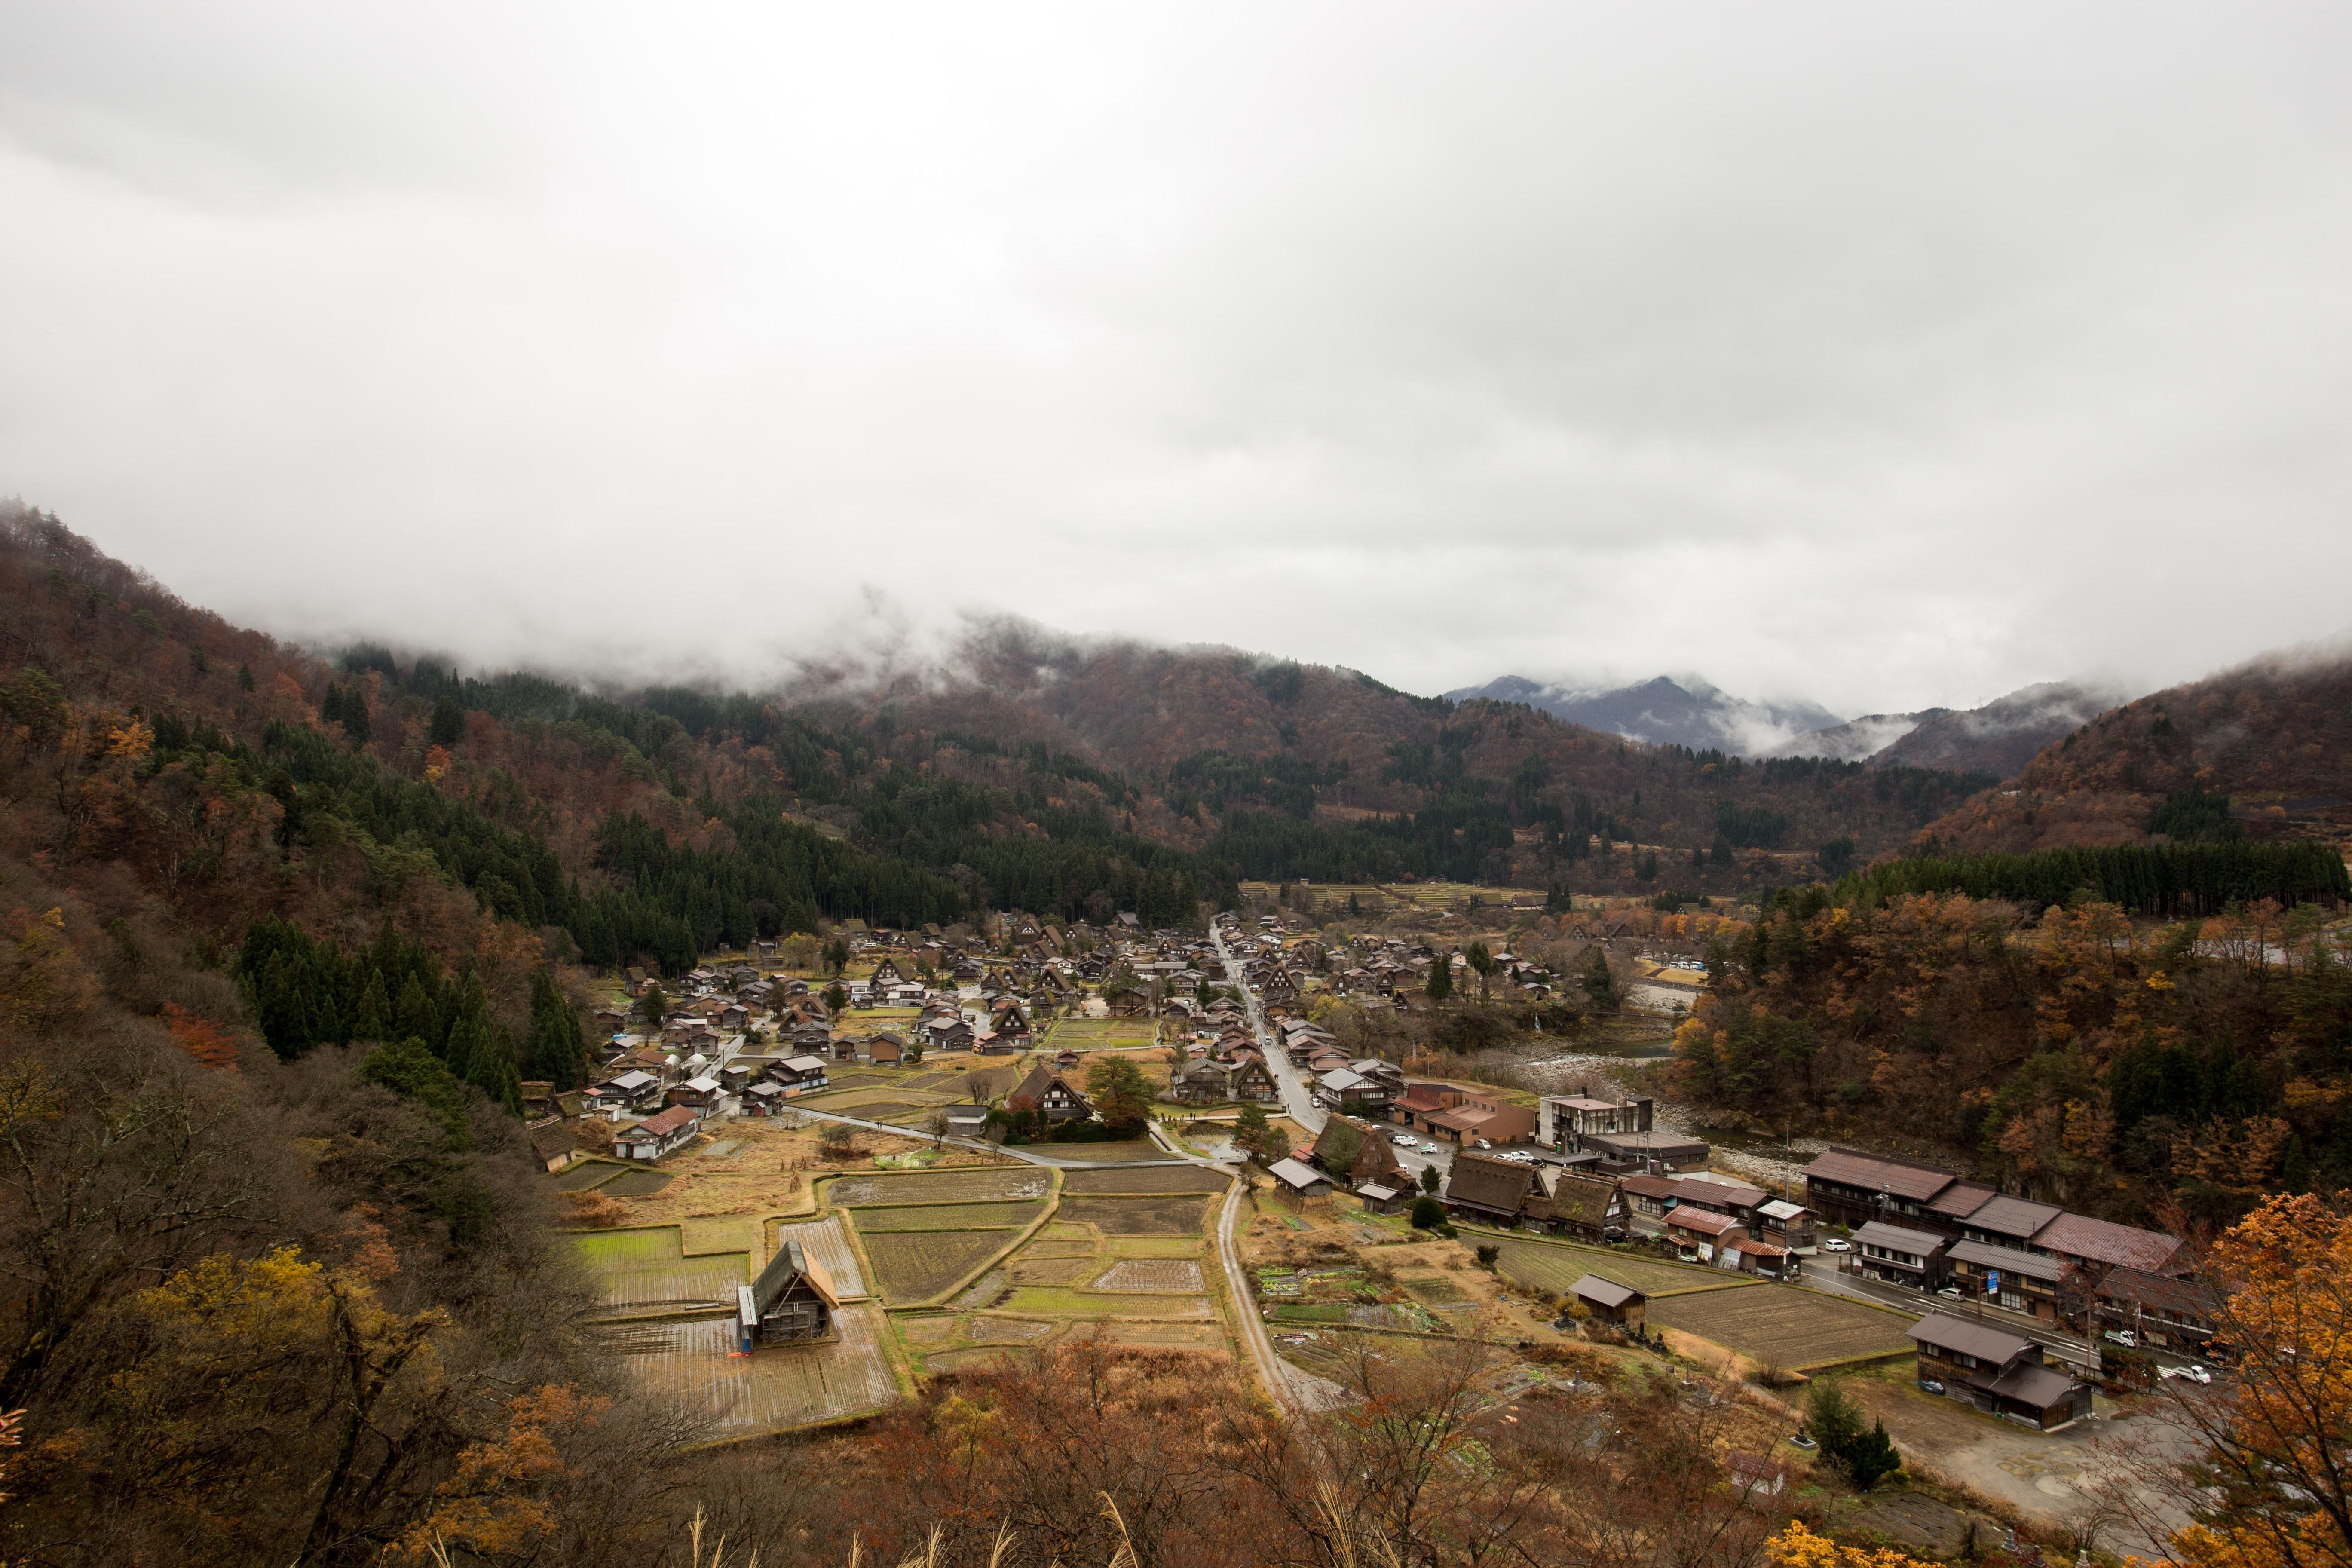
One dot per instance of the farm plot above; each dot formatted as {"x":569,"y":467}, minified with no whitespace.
{"x":647,"y":1270}
{"x":917,"y":1264}
{"x":1138,"y":1217}
{"x":1545,"y":1265}
{"x":1146,"y":1179}
{"x":978,"y":1184}
{"x":1803,"y":1328}
{"x":947,"y":1217}
{"x":880,"y":1108}
{"x":778,"y":1388}
{"x":828,"y":1245}
{"x":1101,"y":1034}
{"x":1151,"y":1276}
{"x":588,"y":1174}
{"x":637,"y":1183}
{"x":1028,"y":1270}
{"x":1124,"y":1153}
{"x":1050,"y":1302}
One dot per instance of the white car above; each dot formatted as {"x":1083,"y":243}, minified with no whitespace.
{"x":1835,"y":1245}
{"x":2124,"y":1337}
{"x":2193,"y":1373}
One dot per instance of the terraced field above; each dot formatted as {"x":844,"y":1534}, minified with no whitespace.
{"x":828,"y":1244}
{"x":1120,"y":1154}
{"x":1548,"y":1265}
{"x":1804,"y":1328}
{"x":1052,"y":1302}
{"x":874,"y":1220}
{"x":776,"y":1388}
{"x":637,"y":1183}
{"x":1146,"y":1179}
{"x":917,"y":1264}
{"x":647,"y":1270}
{"x":975,"y":1184}
{"x":1137,"y":1216}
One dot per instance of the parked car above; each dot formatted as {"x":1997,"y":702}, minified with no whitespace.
{"x":1951,"y":1290}
{"x":1835,"y":1245}
{"x":1930,"y":1385}
{"x":2193,"y":1373}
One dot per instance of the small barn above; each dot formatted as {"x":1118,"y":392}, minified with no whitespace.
{"x":1610,"y":1301}
{"x":792,"y":1300}
{"x":1299,"y":1180}
{"x":1380,"y":1198}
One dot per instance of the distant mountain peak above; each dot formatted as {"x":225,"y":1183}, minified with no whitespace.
{"x":1665,"y":709}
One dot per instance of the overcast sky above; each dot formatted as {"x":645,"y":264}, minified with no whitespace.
{"x":1881,"y":355}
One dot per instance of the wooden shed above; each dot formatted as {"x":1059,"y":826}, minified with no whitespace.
{"x":1610,"y":1301}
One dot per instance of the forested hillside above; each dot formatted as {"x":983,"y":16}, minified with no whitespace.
{"x":2273,"y":737}
{"x":2071,"y":1052}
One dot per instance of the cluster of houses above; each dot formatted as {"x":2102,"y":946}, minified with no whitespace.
{"x":1933,"y":1230}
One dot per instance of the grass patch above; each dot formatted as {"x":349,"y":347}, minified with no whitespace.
{"x":1543,"y":1266}
{"x":1804,"y":1327}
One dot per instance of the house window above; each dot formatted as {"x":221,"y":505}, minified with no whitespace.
{"x":2012,"y":1301}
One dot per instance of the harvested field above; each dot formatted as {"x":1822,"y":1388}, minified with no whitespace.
{"x":946,"y":1217}
{"x":1138,"y":1217}
{"x":780,"y":1386}
{"x":1100,"y":1154}
{"x":825,"y":1241}
{"x":875,"y":1109}
{"x":1804,"y":1328}
{"x":980,"y":1291}
{"x":1008,"y":1331}
{"x":586,"y":1174}
{"x":717,"y":1233}
{"x":1544,"y":1266}
{"x":966,"y":1357}
{"x":637,"y":1183}
{"x":645,"y":1269}
{"x":1027,"y":1270}
{"x":1154,"y":1275}
{"x":1146,"y":1179}
{"x":1432,"y":1286}
{"x":927,"y":1330}
{"x":1049,"y":1301}
{"x":930,"y":1080}
{"x":1164,"y":1336}
{"x":1045,"y":1246}
{"x":1153,"y":1247}
{"x":1063,"y":1230}
{"x":968,"y":1183}
{"x":917,"y":1264}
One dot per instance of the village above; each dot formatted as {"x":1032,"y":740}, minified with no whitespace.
{"x":815,"y":1174}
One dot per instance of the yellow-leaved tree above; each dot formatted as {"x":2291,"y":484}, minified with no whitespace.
{"x":2272,"y":1484}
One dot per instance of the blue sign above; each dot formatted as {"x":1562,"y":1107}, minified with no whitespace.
{"x":1992,"y":1281}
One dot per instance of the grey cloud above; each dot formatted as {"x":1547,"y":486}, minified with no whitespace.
{"x":1892,"y":360}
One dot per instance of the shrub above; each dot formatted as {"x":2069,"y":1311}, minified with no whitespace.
{"x":1487,"y":1253}
{"x":594,"y":1210}
{"x":1428,"y":1214}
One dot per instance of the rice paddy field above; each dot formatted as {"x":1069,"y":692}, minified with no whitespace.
{"x":1145,"y":1179}
{"x":918,"y":1265}
{"x":1554,"y":1267}
{"x":825,"y":1241}
{"x":587,"y":1173}
{"x":1100,"y":1034}
{"x":778,"y":1387}
{"x":1121,"y":1153}
{"x":649,"y":1271}
{"x":1803,"y":1328}
{"x":1137,"y":1216}
{"x":1130,"y":1268}
{"x":637,"y":1183}
{"x":969,"y":1183}
{"x":947,"y":1217}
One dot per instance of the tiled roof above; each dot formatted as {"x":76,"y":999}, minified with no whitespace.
{"x":1878,"y":1233}
{"x":1961,"y":1199}
{"x":2097,"y":1240}
{"x":2013,"y":1216}
{"x":2160,"y":1292}
{"x":2038,"y":1387}
{"x":1948,"y":1333}
{"x":1706,"y":1222}
{"x":674,"y":1118}
{"x":2009,"y":1260}
{"x":1897,"y":1178}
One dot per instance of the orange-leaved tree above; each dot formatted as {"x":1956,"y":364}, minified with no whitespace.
{"x":2273,"y":1486}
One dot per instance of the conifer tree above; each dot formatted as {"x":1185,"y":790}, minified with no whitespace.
{"x":373,"y":1018}
{"x":449,"y":723}
{"x":414,"y":1018}
{"x":1440,"y":983}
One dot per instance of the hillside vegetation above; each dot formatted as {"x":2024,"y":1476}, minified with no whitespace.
{"x":2274,"y":736}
